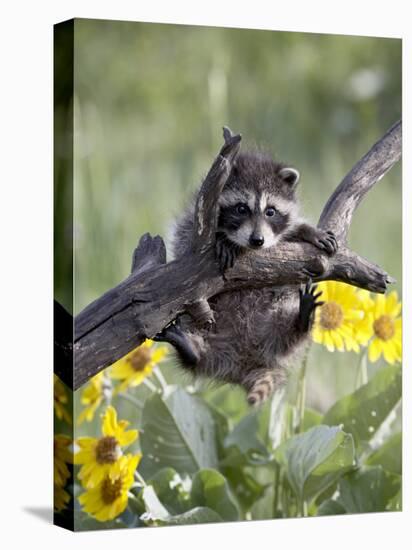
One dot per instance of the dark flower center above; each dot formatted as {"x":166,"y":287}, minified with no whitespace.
{"x":111,"y":490}
{"x":140,"y":358}
{"x":384,"y":327}
{"x":331,"y":316}
{"x":107,"y":450}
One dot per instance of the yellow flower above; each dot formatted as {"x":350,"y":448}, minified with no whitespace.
{"x":383,"y":325}
{"x":92,"y":396}
{"x":109,"y":498}
{"x":62,"y":457}
{"x":61,"y":498}
{"x":336,"y":321}
{"x":60,"y":400}
{"x":134,"y":367}
{"x":99,"y":456}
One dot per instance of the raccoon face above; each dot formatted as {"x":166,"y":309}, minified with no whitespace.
{"x":256,"y":216}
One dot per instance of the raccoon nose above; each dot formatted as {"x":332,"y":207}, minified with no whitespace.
{"x":256,"y":241}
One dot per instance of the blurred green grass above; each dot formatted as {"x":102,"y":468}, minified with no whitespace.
{"x":150,"y":101}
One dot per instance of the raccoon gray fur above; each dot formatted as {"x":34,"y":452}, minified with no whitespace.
{"x":257,"y":332}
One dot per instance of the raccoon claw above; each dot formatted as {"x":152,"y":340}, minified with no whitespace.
{"x":226,"y":258}
{"x":308,"y":302}
{"x":209,"y":325}
{"x":201,"y":314}
{"x":226,"y":253}
{"x":164,"y":335}
{"x":326,"y":240}
{"x":310,"y":273}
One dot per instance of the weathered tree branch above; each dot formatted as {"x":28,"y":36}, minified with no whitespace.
{"x":206,"y":211}
{"x":156,"y":292}
{"x":371,"y":168}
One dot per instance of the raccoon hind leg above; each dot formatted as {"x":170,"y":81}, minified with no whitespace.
{"x":175,"y":336}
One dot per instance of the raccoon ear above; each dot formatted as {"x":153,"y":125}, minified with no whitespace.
{"x":290,"y":176}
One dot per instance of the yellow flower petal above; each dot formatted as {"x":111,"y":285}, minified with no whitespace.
{"x":393,"y":306}
{"x":317,"y":334}
{"x":338,"y":341}
{"x":379,"y":305}
{"x":335,"y":324}
{"x":138,"y":377}
{"x":158,"y":354}
{"x":109,"y":497}
{"x":109,"y":422}
{"x":375,"y":350}
{"x":126,"y":438}
{"x":121,"y":369}
{"x":398,"y":326}
{"x":389,"y":352}
{"x":352,"y":345}
{"x":86,"y":442}
{"x":331,"y":290}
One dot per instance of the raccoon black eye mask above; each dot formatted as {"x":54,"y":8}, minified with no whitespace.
{"x":257,"y":332}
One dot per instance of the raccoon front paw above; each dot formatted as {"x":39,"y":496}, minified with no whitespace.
{"x":308,"y":302}
{"x":324,"y":240}
{"x":226,"y":252}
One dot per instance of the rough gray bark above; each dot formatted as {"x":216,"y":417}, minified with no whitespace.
{"x":156,"y":292}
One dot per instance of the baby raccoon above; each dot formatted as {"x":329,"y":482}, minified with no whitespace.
{"x":257,"y":332}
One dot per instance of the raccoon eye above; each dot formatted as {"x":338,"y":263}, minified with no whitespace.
{"x":270,"y":211}
{"x":242,"y":208}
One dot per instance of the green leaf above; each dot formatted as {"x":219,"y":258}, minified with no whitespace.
{"x":362,"y":412}
{"x":229,"y":401}
{"x":244,"y":486}
{"x":315,"y":459}
{"x":136,"y":503}
{"x":169,"y":488}
{"x":157,"y":514}
{"x":389,"y":455}
{"x":395,"y":503}
{"x":84,"y":522}
{"x":331,"y":508}
{"x":210,"y":489}
{"x":327,"y":494}
{"x":263,"y":507}
{"x":221,"y":428}
{"x":244,"y":445}
{"x":196,"y":515}
{"x":311,"y":418}
{"x":178,"y":432}
{"x":369,"y":490}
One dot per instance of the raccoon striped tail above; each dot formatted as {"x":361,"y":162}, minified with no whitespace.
{"x":261,"y":389}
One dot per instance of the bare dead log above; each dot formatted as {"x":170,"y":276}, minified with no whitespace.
{"x":156,"y":292}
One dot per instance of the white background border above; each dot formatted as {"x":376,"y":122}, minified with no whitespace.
{"x":26,"y":271}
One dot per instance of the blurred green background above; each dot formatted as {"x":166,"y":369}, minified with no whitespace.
{"x":149,"y":104}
